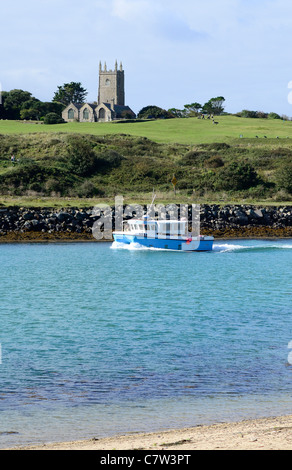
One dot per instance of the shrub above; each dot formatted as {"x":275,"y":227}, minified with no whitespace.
{"x":81,"y":157}
{"x":214,"y":162}
{"x":245,"y":113}
{"x":193,"y":158}
{"x":108,"y":159}
{"x":216,"y":146}
{"x":284,"y":178}
{"x":154,"y":112}
{"x":84,"y":161}
{"x":237,"y":176}
{"x":88,"y":189}
{"x":274,"y":116}
{"x":53,"y":118}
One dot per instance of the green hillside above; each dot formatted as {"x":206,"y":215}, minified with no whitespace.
{"x":236,"y":160}
{"x":183,"y":131}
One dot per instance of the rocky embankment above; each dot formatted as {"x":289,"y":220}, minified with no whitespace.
{"x":229,"y":221}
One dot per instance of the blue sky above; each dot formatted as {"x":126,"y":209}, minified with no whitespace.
{"x":173,"y":52}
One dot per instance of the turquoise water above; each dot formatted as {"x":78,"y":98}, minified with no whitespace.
{"x":98,"y":340}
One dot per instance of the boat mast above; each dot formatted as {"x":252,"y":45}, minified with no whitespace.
{"x":152,"y":203}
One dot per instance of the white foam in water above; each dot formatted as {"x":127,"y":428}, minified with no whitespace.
{"x":287,"y":247}
{"x":133,"y":247}
{"x":217,"y":247}
{"x":228,"y":247}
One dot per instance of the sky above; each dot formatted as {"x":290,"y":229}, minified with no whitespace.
{"x":174,"y":52}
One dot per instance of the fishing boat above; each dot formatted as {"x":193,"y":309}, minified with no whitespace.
{"x":162,"y":234}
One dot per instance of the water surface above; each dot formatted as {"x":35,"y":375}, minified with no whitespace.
{"x":97,"y":339}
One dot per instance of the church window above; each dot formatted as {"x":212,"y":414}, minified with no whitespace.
{"x":107,"y":82}
{"x":71,"y":113}
{"x":86,"y":114}
{"x":101,"y":113}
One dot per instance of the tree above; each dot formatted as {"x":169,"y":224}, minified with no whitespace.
{"x":70,"y":93}
{"x":177,"y":113}
{"x":81,"y":156}
{"x":154,"y":112}
{"x":214,"y":105}
{"x":247,"y":113}
{"x":193,"y":108}
{"x":13,"y":102}
{"x":3,"y":112}
{"x":274,"y":116}
{"x":32,"y":109}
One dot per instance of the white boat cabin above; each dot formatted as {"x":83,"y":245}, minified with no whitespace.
{"x":161,"y":228}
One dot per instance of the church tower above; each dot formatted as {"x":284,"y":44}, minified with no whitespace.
{"x":111,"y":85}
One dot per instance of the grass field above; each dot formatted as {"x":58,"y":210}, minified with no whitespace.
{"x":183,"y":131}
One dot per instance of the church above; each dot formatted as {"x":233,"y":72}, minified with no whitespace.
{"x":110,"y":103}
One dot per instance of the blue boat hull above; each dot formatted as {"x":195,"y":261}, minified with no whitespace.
{"x":199,"y":244}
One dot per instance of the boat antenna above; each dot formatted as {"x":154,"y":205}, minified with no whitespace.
{"x":152,"y":202}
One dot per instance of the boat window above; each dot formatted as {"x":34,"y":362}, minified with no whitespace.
{"x":174,"y":228}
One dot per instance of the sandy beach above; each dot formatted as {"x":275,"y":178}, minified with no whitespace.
{"x":260,"y":434}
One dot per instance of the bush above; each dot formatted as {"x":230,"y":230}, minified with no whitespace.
{"x":236,"y":177}
{"x":216,"y":146}
{"x":81,"y":158}
{"x":245,"y":113}
{"x":284,"y":178}
{"x":84,"y":161}
{"x":53,"y":118}
{"x":274,"y":116}
{"x":154,"y":112}
{"x":214,"y":162}
{"x":108,"y":159}
{"x":193,"y":158}
{"x":23,"y":175}
{"x":88,"y":189}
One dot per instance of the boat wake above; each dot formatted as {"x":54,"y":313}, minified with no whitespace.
{"x":134,"y":247}
{"x":217,"y":247}
{"x":260,"y":246}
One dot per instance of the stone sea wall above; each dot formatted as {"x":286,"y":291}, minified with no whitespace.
{"x":229,"y":221}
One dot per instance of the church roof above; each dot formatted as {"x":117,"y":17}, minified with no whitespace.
{"x":77,"y":105}
{"x":91,"y":105}
{"x":119,"y":109}
{"x":107,"y":105}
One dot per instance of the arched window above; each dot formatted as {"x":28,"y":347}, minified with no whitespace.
{"x":101,"y":113}
{"x":86,"y":114}
{"x":71,"y":113}
{"x":107,"y":82}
